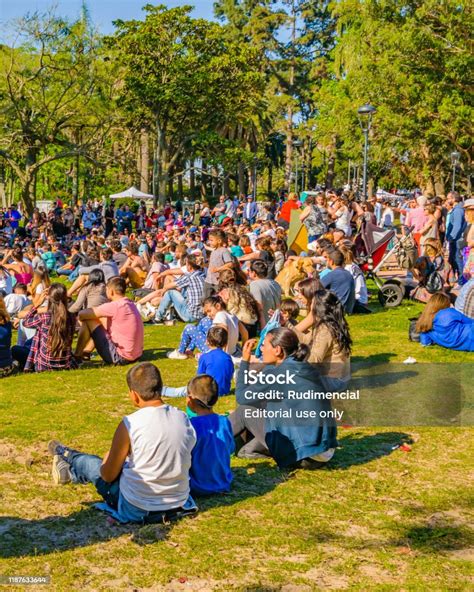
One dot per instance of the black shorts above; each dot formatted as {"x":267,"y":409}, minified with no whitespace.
{"x":106,"y":349}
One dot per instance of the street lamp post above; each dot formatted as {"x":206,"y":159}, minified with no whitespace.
{"x":455,"y":156}
{"x":365,"y":120}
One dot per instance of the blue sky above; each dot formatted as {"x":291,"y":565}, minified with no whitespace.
{"x":103,"y":12}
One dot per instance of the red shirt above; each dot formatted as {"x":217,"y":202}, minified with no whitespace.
{"x":286,"y":208}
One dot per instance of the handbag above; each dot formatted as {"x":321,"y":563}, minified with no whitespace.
{"x":413,"y":334}
{"x":434,"y":283}
{"x":273,"y":323}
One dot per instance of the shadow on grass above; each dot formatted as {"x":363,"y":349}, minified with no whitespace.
{"x":373,"y":360}
{"x":436,"y":539}
{"x":152,"y":354}
{"x":88,"y":526}
{"x":357,"y":450}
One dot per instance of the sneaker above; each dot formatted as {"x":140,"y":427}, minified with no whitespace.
{"x":176,"y":355}
{"x":170,"y":322}
{"x":61,"y":471}
{"x":150,"y":308}
{"x":158,"y":321}
{"x":55,"y":447}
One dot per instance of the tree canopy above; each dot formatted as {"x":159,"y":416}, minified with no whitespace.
{"x":170,"y":97}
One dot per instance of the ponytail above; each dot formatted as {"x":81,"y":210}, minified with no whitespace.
{"x":289,"y":343}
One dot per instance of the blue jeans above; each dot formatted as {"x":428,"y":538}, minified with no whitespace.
{"x":85,"y":468}
{"x":66,"y":272}
{"x":455,"y":256}
{"x":171,"y":391}
{"x":176,"y":299}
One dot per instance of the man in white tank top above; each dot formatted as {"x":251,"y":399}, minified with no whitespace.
{"x":145,"y":475}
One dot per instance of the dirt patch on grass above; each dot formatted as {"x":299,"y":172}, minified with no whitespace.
{"x":325,"y":580}
{"x":462,"y":554}
{"x":26,"y":455}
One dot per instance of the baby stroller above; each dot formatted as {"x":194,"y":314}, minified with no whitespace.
{"x":373,"y":252}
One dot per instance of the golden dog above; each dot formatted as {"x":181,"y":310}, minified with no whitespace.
{"x":293,"y":272}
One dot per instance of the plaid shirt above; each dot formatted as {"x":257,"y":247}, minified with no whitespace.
{"x":40,"y":358}
{"x":193,"y":286}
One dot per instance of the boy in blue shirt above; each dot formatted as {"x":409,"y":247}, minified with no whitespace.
{"x":210,"y":471}
{"x":215,"y":362}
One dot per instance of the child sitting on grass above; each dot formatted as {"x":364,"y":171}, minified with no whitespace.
{"x":289,"y":312}
{"x":215,"y":362}
{"x":210,"y":468}
{"x":144,"y":478}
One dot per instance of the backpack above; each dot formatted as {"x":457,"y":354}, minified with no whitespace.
{"x":407,"y":254}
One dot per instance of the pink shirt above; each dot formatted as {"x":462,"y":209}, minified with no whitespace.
{"x":417,"y":218}
{"x":124,"y":326}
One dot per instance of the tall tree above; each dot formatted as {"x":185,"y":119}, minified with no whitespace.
{"x":53,"y":94}
{"x":412,"y":60}
{"x":185,"y":78}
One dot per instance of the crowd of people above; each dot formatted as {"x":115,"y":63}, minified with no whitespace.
{"x":82,"y":281}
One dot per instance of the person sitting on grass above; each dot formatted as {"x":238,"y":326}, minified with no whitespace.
{"x":18,"y":300}
{"x":121,"y":342}
{"x":6,"y":361}
{"x":215,"y":362}
{"x":51,"y":347}
{"x":307,"y":444}
{"x":107,"y":265}
{"x":340,"y":281}
{"x":210,"y":466}
{"x":326,"y":332}
{"x":144,"y":478}
{"x":135,"y":268}
{"x":442,"y":325}
{"x":93,"y":293}
{"x":184,"y":294}
{"x":289,"y":313}
{"x":39,"y":283}
{"x":217,"y":310}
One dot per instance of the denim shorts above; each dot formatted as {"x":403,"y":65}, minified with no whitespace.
{"x":106,"y":349}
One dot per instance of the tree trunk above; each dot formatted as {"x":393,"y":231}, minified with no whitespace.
{"x":241,"y":178}
{"x":144,"y":161}
{"x":3,"y":196}
{"x":170,"y":191}
{"x":250,"y":181}
{"x":226,"y":182}
{"x":28,"y":181}
{"x":75,"y":180}
{"x":163,"y":165}
{"x":204,"y":179}
{"x":370,"y":187}
{"x":180,"y":182}
{"x":192,"y":178}
{"x":215,"y":181}
{"x":270,"y":179}
{"x":28,"y":195}
{"x":330,"y":170}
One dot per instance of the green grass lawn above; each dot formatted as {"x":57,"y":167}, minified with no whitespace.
{"x":377,"y":518}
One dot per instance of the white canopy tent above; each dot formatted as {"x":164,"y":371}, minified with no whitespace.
{"x":132,"y":192}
